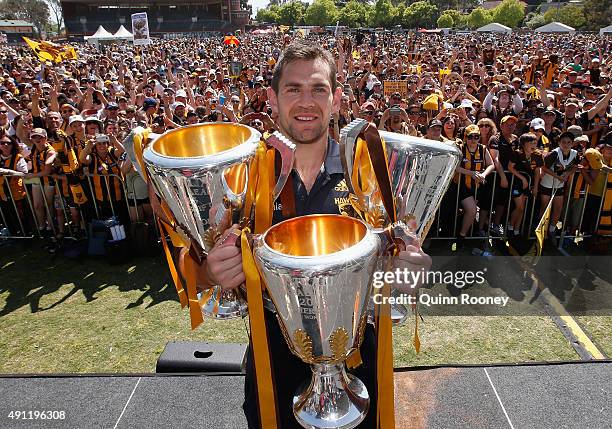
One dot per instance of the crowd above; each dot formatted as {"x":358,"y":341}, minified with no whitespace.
{"x":530,"y":114}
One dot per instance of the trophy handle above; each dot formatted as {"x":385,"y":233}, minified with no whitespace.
{"x":286,"y":149}
{"x":360,"y":128}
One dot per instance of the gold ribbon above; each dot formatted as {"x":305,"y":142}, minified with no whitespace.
{"x":384,"y":362}
{"x":191,"y":267}
{"x":173,"y":272}
{"x":259,"y":337}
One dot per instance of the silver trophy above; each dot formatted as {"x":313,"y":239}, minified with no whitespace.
{"x":420,"y":172}
{"x":318,"y":272}
{"x":202,"y":173}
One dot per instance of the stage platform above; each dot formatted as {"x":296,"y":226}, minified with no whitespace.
{"x":555,"y":396}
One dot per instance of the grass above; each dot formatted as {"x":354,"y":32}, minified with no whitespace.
{"x":62,"y":316}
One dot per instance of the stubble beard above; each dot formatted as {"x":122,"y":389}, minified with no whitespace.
{"x":296,"y":137}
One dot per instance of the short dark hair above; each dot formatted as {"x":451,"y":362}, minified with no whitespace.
{"x":300,"y":50}
{"x":528,"y":137}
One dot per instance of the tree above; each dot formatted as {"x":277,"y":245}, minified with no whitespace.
{"x":291,"y":13}
{"x":270,"y":14}
{"x":534,"y":20}
{"x":445,"y":21}
{"x":353,"y":14}
{"x":456,"y":16}
{"x":420,"y":14}
{"x":479,"y":17}
{"x":383,"y":14}
{"x":321,"y":12}
{"x":34,"y":11}
{"x":598,"y":13}
{"x":58,"y":14}
{"x":509,"y":13}
{"x":569,"y":15}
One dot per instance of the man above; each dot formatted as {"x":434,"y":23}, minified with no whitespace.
{"x":303,"y":95}
{"x":504,"y":143}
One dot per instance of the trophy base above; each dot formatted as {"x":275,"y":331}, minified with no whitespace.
{"x":224,"y":304}
{"x":334,"y":399}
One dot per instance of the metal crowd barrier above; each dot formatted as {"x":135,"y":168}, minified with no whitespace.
{"x":527,"y":222}
{"x":49,"y":210}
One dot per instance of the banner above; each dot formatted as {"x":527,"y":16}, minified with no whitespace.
{"x":391,"y":86}
{"x":140,"y":28}
{"x":236,"y":68}
{"x":47,"y":51}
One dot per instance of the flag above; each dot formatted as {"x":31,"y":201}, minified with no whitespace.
{"x":47,"y":51}
{"x":542,"y":228}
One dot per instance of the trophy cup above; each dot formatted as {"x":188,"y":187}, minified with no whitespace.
{"x":420,"y":171}
{"x":318,"y":272}
{"x":202,"y":172}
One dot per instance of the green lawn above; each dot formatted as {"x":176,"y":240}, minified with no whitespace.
{"x":61,"y":316}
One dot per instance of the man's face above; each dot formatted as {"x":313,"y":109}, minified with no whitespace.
{"x":54,"y":120}
{"x":434,"y":133}
{"x":508,"y":127}
{"x":305,"y":101}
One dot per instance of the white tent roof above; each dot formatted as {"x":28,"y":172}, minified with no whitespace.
{"x":123,"y":33}
{"x":604,"y":30}
{"x":555,"y":27}
{"x":495,"y":27}
{"x":100,"y":34}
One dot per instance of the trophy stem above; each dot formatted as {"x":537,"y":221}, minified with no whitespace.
{"x":334,"y":399}
{"x":224,"y":304}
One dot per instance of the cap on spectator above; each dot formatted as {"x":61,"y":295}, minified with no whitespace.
{"x":508,"y":118}
{"x":181,"y":93}
{"x":112,"y":106}
{"x":46,"y":86}
{"x":209,"y":90}
{"x":94,"y":119}
{"x":581,"y":139}
{"x":259,"y":79}
{"x":169,"y":90}
{"x":571,"y":101}
{"x":41,"y":132}
{"x":550,"y":110}
{"x":538,"y":124}
{"x":367,"y":106}
{"x":179,"y":104}
{"x":567,"y":134}
{"x":235,"y":99}
{"x":149,"y":102}
{"x":67,"y":105}
{"x":102,"y":138}
{"x":108,"y":83}
{"x":576,"y":130}
{"x":435,"y":123}
{"x":471,"y":129}
{"x":75,"y":118}
{"x":466,"y":103}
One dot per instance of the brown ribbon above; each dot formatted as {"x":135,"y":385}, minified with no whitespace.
{"x":376,"y":150}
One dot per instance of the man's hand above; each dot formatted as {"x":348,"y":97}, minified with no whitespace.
{"x":224,"y":263}
{"x":412,"y":259}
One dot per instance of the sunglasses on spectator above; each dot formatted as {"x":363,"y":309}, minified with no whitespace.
{"x":473,"y":136}
{"x":484,"y":126}
{"x":366,"y":112}
{"x":2,"y":111}
{"x":5,"y":143}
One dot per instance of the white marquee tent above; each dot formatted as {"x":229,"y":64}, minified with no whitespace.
{"x":123,"y":34}
{"x":606,"y":30}
{"x":494,"y":27}
{"x":555,"y":27}
{"x":100,"y":34}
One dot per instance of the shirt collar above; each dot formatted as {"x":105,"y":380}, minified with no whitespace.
{"x":333,"y":165}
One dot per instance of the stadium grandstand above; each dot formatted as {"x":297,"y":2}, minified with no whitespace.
{"x":83,"y":17}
